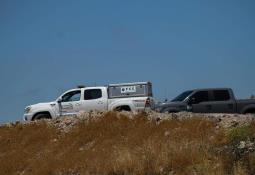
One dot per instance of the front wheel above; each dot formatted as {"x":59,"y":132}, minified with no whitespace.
{"x":168,"y":111}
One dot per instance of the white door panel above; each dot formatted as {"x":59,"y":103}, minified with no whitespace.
{"x":70,"y":108}
{"x":94,"y":100}
{"x":71,"y":103}
{"x":97,"y":104}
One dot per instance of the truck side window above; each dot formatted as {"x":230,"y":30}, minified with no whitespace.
{"x":92,"y":94}
{"x":221,"y":95}
{"x":200,"y":96}
{"x":72,"y":96}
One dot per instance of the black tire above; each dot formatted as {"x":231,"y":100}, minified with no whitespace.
{"x":250,"y":111}
{"x":42,"y":116}
{"x":168,"y":111}
{"x":122,"y":108}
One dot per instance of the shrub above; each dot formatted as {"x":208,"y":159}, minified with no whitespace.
{"x":241,"y":133}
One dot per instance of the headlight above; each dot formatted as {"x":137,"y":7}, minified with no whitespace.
{"x":27,"y":109}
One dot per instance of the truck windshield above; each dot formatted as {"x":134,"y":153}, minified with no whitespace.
{"x":182,"y":96}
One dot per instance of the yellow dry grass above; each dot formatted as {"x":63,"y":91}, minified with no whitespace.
{"x":117,"y":145}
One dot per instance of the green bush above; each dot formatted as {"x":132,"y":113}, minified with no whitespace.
{"x":241,"y":133}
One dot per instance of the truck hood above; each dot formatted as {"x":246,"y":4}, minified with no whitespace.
{"x":172,"y":104}
{"x":161,"y":106}
{"x":246,"y":101}
{"x":45,"y":104}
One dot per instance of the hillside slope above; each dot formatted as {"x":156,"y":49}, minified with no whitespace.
{"x":124,"y":143}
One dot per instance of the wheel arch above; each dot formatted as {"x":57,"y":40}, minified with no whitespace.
{"x":117,"y":104}
{"x":248,"y":108}
{"x":169,"y":109}
{"x":122,"y":107}
{"x":42,"y":112}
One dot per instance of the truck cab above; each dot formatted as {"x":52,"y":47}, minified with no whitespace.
{"x":212,"y":100}
{"x":83,"y":99}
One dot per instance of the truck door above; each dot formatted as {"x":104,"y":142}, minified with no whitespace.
{"x":71,"y":103}
{"x":222,"y":102}
{"x":94,"y":99}
{"x":200,"y":102}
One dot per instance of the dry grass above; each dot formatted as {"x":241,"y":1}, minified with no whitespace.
{"x":118,"y":145}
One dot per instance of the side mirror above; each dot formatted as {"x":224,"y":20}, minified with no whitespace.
{"x":59,"y":100}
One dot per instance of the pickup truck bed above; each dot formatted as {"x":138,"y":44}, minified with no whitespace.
{"x":245,"y":106}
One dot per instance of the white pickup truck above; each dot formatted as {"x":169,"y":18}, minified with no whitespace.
{"x":125,"y":96}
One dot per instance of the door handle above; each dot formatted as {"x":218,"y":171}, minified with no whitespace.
{"x":100,"y":102}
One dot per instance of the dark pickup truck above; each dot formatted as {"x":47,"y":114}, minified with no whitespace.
{"x":214,"y":100}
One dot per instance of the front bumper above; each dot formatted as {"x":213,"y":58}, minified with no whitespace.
{"x":27,"y":117}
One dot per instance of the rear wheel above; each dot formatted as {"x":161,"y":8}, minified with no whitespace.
{"x":250,"y":111}
{"x":42,"y":116}
{"x":122,"y":108}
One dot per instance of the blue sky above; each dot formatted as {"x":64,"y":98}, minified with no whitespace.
{"x":47,"y":47}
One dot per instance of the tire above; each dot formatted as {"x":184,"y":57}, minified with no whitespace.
{"x":250,"y":111}
{"x":171,"y":112}
{"x":168,"y":111}
{"x":122,"y":108}
{"x":42,"y":116}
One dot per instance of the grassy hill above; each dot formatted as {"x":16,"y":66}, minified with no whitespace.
{"x":124,"y":144}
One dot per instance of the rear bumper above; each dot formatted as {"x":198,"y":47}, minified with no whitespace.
{"x":143,"y":109}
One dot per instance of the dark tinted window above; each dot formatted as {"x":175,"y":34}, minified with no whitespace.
{"x":92,"y":94}
{"x":221,"y":95}
{"x":200,"y":96}
{"x":72,"y":96}
{"x":182,"y":96}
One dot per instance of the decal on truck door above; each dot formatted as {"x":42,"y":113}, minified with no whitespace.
{"x":66,"y":107}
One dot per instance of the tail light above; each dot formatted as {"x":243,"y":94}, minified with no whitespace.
{"x":148,"y":102}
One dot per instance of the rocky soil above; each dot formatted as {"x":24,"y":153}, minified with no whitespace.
{"x":226,"y":121}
